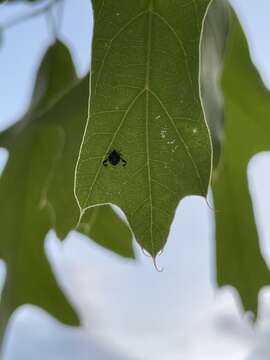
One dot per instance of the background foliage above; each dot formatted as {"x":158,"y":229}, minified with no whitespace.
{"x":145,"y":100}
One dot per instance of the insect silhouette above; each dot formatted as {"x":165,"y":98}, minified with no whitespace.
{"x":114,"y":157}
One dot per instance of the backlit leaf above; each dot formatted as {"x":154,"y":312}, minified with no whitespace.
{"x":145,"y":104}
{"x":247,"y":128}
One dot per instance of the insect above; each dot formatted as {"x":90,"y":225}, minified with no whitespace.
{"x":114,"y":157}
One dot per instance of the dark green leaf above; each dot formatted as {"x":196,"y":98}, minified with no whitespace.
{"x":43,"y":149}
{"x":145,"y":103}
{"x":33,"y":150}
{"x":60,"y":99}
{"x":101,"y":223}
{"x":24,"y":223}
{"x":70,"y":113}
{"x":247,"y":129}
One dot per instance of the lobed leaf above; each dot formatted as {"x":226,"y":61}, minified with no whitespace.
{"x":145,"y":103}
{"x":247,"y":108}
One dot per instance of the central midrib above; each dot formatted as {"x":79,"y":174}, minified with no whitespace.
{"x":147,"y":127}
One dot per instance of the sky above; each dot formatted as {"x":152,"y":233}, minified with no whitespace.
{"x":129,"y":310}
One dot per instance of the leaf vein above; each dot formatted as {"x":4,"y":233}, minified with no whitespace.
{"x":110,"y":144}
{"x":196,"y":169}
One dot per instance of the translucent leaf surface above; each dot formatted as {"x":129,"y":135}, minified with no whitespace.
{"x":145,"y":104}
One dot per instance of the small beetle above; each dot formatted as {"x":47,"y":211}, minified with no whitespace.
{"x":114,"y":157}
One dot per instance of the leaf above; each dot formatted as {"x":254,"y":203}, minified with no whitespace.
{"x":43,"y":146}
{"x":55,"y":76}
{"x":23,"y":221}
{"x":53,"y":97}
{"x":33,"y":149}
{"x":247,"y":108}
{"x":145,"y":103}
{"x":100,"y":224}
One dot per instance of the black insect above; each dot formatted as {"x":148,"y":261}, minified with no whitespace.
{"x":114,"y":157}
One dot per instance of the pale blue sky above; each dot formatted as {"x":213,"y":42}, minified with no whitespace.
{"x":129,"y":310}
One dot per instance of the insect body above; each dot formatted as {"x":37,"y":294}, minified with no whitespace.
{"x":114,"y":157}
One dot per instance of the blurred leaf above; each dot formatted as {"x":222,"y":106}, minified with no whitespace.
{"x":145,"y":103}
{"x":55,"y":76}
{"x":43,"y":148}
{"x":214,"y":37}
{"x":101,"y":223}
{"x":24,"y":223}
{"x":33,"y":149}
{"x":247,"y":109}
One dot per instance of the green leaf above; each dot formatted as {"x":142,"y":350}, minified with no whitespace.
{"x":24,"y":223}
{"x":55,"y":76}
{"x":101,"y":224}
{"x":43,"y":149}
{"x":62,"y":100}
{"x":33,"y":150}
{"x":247,"y":108}
{"x":145,"y":103}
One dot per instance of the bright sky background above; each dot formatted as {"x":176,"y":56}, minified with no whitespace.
{"x":130,"y":311}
